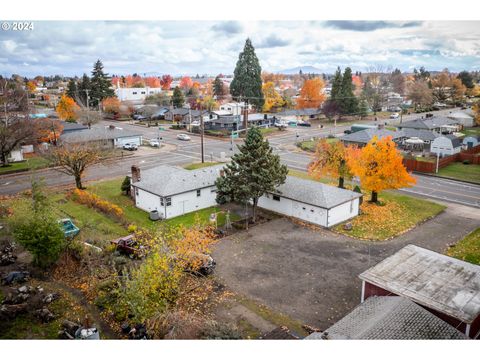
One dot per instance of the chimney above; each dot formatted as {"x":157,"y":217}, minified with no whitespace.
{"x":135,"y":173}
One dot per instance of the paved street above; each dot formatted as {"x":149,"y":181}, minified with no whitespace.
{"x":179,"y":152}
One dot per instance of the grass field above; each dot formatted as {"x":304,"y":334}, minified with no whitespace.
{"x":309,"y":145}
{"x":472,"y":131}
{"x":194,"y":166}
{"x":29,"y":164}
{"x":461,"y":171}
{"x":468,"y":248}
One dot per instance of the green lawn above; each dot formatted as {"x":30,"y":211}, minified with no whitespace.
{"x":461,"y":171}
{"x":309,"y":145}
{"x":472,"y":131}
{"x":194,"y":166}
{"x":269,"y":130}
{"x":32,"y":163}
{"x":110,"y":190}
{"x":398,"y":214}
{"x":468,"y":248}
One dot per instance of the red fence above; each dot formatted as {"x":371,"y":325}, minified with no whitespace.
{"x":472,"y":155}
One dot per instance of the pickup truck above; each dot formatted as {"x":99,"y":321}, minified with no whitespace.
{"x":129,"y":246}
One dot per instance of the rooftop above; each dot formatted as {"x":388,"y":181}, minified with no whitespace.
{"x":364,"y":136}
{"x":97,"y":133}
{"x":166,"y":180}
{"x":425,"y":135}
{"x":437,"y":281}
{"x":389,"y":318}
{"x":315,"y":193}
{"x":428,"y":123}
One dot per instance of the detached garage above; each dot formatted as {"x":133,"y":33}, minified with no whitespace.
{"x":106,"y":137}
{"x":312,"y":201}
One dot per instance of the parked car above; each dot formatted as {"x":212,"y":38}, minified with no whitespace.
{"x":154,"y":143}
{"x":130,"y":147}
{"x":292,"y":123}
{"x":127,"y":245}
{"x":304,"y":123}
{"x":280,"y":124}
{"x":395,"y":116}
{"x":183,"y":137}
{"x":138,"y":117}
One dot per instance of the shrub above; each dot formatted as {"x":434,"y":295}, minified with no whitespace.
{"x":93,"y":201}
{"x":132,"y":228}
{"x":466,"y":162}
{"x":126,"y":185}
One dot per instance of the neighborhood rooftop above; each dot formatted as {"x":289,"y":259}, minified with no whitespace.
{"x":97,"y":133}
{"x":389,"y":318}
{"x":315,"y":193}
{"x":364,"y":136}
{"x":428,"y":123}
{"x":166,"y":180}
{"x":436,"y":281}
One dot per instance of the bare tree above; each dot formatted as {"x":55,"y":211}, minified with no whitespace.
{"x":420,"y":94}
{"x":376,"y":86}
{"x":88,"y":117}
{"x":74,"y":159}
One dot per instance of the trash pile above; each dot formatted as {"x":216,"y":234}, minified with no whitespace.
{"x":6,"y":255}
{"x":74,"y":331}
{"x":137,"y":332}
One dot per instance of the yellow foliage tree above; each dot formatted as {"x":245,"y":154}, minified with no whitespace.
{"x":476,"y":111}
{"x":272,"y":97}
{"x":311,"y":94}
{"x":330,"y":159}
{"x":67,"y":108}
{"x":31,"y":86}
{"x":379,"y":167}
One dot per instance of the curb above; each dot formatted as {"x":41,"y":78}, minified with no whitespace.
{"x":446,"y":178}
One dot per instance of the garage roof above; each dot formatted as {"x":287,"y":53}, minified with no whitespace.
{"x":437,"y":281}
{"x":97,"y":133}
{"x":389,"y":318}
{"x":315,"y":193}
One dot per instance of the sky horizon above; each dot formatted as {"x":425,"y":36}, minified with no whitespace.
{"x":70,"y":48}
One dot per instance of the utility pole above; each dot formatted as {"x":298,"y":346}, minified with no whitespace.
{"x":201,"y":136}
{"x":88,"y":111}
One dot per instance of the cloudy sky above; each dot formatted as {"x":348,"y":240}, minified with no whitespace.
{"x":207,"y":47}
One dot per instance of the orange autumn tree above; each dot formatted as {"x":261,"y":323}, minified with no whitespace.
{"x":48,"y":130}
{"x":379,"y":167}
{"x":67,"y":108}
{"x":111,"y":105}
{"x":311,"y":94}
{"x":330,"y":159}
{"x":476,"y":112}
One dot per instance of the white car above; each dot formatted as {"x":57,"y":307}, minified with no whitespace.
{"x":395,"y":116}
{"x":281,"y":124}
{"x":154,"y":143}
{"x":183,"y":137}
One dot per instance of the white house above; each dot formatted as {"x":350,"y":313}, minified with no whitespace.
{"x":312,"y":201}
{"x":446,"y":145}
{"x":235,"y":108}
{"x":462,"y":118}
{"x":174,"y":191}
{"x":135,"y":94}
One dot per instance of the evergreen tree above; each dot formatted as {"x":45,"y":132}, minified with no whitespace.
{"x":178,"y":99}
{"x":83,"y":87}
{"x":101,"y":84}
{"x":336,"y":92}
{"x":348,"y":101}
{"x":252,"y":172}
{"x":72,"y":90}
{"x":363,"y":108}
{"x":218,"y":88}
{"x":467,"y":79}
{"x":247,"y":81}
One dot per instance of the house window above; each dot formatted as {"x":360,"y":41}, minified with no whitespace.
{"x":311,"y":210}
{"x":161,"y":201}
{"x":143,"y":92}
{"x":304,"y":208}
{"x":168,"y":201}
{"x":276,"y":197}
{"x":134,"y":93}
{"x":198,"y":192}
{"x":136,"y":191}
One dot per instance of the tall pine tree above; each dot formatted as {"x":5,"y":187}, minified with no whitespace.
{"x":247,"y":81}
{"x":336,"y":93}
{"x":177,"y":98}
{"x":84,"y":86}
{"x":252,"y":172}
{"x":101,"y":84}
{"x":348,"y":101}
{"x":218,"y":88}
{"x":72,"y":90}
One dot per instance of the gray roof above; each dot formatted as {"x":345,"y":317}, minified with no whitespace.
{"x":389,"y":318}
{"x":71,"y":126}
{"x":228,"y":119}
{"x":456,"y":142}
{"x":315,"y":193}
{"x":428,"y":123}
{"x":166,"y":180}
{"x":364,"y":136}
{"x":97,"y":133}
{"x":300,"y":112}
{"x":425,"y":135}
{"x":437,"y":281}
{"x":459,"y":115}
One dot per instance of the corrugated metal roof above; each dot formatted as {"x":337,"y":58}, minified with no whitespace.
{"x":437,"y":281}
{"x":389,"y":318}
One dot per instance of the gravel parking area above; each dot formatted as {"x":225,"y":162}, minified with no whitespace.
{"x":312,"y":275}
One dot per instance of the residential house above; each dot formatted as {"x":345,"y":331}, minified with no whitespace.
{"x":185,"y":115}
{"x":235,"y":108}
{"x":394,"y":102}
{"x":363,"y":137}
{"x":462,"y":118}
{"x":69,"y":127}
{"x":446,"y":145}
{"x":103,"y":136}
{"x":173,"y":191}
{"x":299,"y":114}
{"x":434,"y":123}
{"x":389,"y":318}
{"x":137,"y":95}
{"x":425,"y":136}
{"x":312,"y":201}
{"x":447,"y":287}
{"x":235,"y":122}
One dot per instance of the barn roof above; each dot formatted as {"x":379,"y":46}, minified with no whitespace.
{"x":315,"y":193}
{"x":437,"y":281}
{"x":389,"y":318}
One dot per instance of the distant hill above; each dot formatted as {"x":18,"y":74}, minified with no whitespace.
{"x":305,"y":69}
